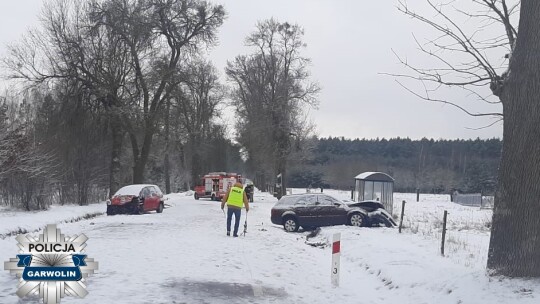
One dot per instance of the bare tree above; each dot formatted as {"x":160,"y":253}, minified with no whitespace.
{"x":461,"y":59}
{"x":71,"y":48}
{"x":157,"y":33}
{"x":28,"y":167}
{"x":271,"y":85}
{"x":196,"y":100}
{"x":124,"y":53}
{"x":514,"y":246}
{"x":3,"y":134}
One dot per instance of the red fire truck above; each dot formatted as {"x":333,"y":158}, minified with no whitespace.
{"x":215,"y":185}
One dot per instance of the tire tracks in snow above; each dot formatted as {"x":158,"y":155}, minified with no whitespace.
{"x":384,"y":279}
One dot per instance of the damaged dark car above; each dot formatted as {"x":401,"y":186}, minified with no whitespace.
{"x":317,"y":210}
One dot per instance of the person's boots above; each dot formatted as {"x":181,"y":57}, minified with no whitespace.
{"x":228,"y":233}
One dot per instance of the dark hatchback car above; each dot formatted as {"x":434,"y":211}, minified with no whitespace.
{"x":317,"y":210}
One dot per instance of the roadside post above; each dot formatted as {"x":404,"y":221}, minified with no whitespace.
{"x":402,"y":212}
{"x":443,"y":232}
{"x":336,"y":249}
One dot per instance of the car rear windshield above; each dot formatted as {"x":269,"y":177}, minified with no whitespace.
{"x":129,"y":190}
{"x":287,"y":200}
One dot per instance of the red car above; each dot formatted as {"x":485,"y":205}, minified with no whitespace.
{"x":136,"y":199}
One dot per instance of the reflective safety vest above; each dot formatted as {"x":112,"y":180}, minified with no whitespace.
{"x":236,"y":197}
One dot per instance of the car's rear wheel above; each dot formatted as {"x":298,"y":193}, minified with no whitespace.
{"x":196,"y":196}
{"x":213,"y":197}
{"x":160,"y":207}
{"x":357,"y":220}
{"x":290,"y":224}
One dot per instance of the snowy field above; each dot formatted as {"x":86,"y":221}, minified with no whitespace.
{"x":184,"y":256}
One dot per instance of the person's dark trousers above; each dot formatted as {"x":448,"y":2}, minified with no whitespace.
{"x":237,"y":212}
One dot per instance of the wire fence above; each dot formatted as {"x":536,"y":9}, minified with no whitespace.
{"x":466,"y":230}
{"x":474,"y":200}
{"x":487,"y":202}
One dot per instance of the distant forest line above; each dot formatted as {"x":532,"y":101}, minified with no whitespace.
{"x":433,"y":166}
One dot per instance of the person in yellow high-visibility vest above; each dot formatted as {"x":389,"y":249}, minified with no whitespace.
{"x":235,"y":199}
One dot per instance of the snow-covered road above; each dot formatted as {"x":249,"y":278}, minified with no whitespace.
{"x":184,"y":256}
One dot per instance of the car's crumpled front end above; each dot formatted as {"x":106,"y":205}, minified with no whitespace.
{"x":375,"y":212}
{"x":381,"y":216}
{"x":123,"y":204}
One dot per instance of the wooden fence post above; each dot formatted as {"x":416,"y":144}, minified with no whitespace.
{"x":402,"y":212}
{"x":443,"y":232}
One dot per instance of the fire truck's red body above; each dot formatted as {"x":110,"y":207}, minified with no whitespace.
{"x":215,"y":185}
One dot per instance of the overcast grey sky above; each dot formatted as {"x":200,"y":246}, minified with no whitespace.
{"x":350,"y":44}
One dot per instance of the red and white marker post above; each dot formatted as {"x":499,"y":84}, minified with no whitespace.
{"x":336,"y":249}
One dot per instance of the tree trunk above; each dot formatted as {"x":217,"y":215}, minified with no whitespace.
{"x":114,"y":172}
{"x":515,"y":244}
{"x":140,"y":162}
{"x":282,"y":168}
{"x":138,"y":170}
{"x":195,"y":167}
{"x":166,"y":158}
{"x":183,"y":167}
{"x":283,"y":146}
{"x":167,"y":173}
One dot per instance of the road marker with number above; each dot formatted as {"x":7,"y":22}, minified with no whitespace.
{"x":336,"y":248}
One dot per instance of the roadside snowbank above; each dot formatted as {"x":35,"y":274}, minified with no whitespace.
{"x":17,"y":221}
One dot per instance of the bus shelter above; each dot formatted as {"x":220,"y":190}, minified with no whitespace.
{"x":375,"y":186}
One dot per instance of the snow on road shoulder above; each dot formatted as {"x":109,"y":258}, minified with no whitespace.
{"x":183,"y":256}
{"x":29,"y":221}
{"x":411,"y":269}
